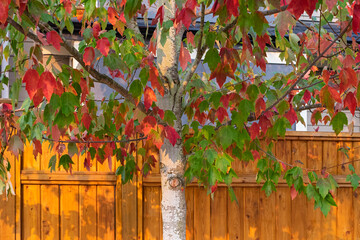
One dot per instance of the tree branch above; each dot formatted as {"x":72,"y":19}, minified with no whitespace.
{"x":199,"y":54}
{"x":306,"y":70}
{"x":101,"y":78}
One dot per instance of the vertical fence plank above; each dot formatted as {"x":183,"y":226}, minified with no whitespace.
{"x":201,"y":214}
{"x":8,"y":205}
{"x":299,"y":207}
{"x":252,"y":216}
{"x":129,"y":211}
{"x":356,"y":210}
{"x":119,"y":208}
{"x":345,"y":216}
{"x":69,"y":212}
{"x":314,"y":161}
{"x":329,"y":159}
{"x":151,"y":213}
{"x":267,"y":216}
{"x":31,"y":212}
{"x":139,"y":195}
{"x":218,"y":212}
{"x":30,"y":162}
{"x":236,"y":215}
{"x":283,"y":214}
{"x":106,"y":214}
{"x":88,"y":220}
{"x":49,"y":212}
{"x":189,"y":194}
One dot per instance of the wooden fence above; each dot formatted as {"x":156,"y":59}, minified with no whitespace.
{"x":94,"y":205}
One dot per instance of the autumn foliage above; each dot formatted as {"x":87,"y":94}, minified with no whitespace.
{"x":227,"y":103}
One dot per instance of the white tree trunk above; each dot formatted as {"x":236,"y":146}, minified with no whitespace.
{"x":173,"y":204}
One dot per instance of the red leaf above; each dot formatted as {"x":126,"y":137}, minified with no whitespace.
{"x":129,"y":128}
{"x":159,"y":15}
{"x":190,"y":38}
{"x":335,"y":94}
{"x":225,"y":100}
{"x":67,"y":6}
{"x":350,"y":102}
{"x":297,"y":7}
{"x":38,"y":97}
{"x":307,"y":96}
{"x":55,"y":133}
{"x":84,"y":89}
{"x":254,"y":130}
{"x":47,"y":83}
{"x":4,"y":9}
{"x":89,"y":55}
{"x":171,"y":134}
{"x":185,"y":16}
{"x":37,"y":147}
{"x":264,"y":123}
{"x":348,"y":78}
{"x":86,"y":120}
{"x":293,"y":192}
{"x":221,"y":113}
{"x":54,"y":39}
{"x":112,"y":15}
{"x":104,"y":46}
{"x":260,"y":106}
{"x":148,"y":123}
{"x":184,"y":57}
{"x":154,"y":79}
{"x":232,"y":7}
{"x":262,"y":41}
{"x":291,"y":115}
{"x":255,"y":154}
{"x":31,"y":80}
{"x":356,"y":19}
{"x":149,"y":97}
{"x":96,"y":30}
{"x":221,"y":73}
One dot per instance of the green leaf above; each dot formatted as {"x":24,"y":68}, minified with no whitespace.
{"x":233,"y":195}
{"x":252,"y":91}
{"x":354,"y":180}
{"x":212,"y":58}
{"x":323,"y":184}
{"x":52,"y":163}
{"x":268,"y":187}
{"x":169,"y":117}
{"x":210,"y":155}
{"x":222,"y":163}
{"x":136,"y":89}
{"x":68,"y":103}
{"x":262,"y":164}
{"x":226,"y":136}
{"x":338,"y":122}
{"x":65,"y":161}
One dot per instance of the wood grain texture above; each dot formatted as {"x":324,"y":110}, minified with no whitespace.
{"x":87,"y":212}
{"x":69,"y":212}
{"x":201,"y":214}
{"x":252,"y":215}
{"x":50,"y":212}
{"x":105,"y":212}
{"x":218,"y":212}
{"x":151,"y":213}
{"x":31,"y":212}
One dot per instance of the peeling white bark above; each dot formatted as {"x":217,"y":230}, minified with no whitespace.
{"x":173,"y":204}
{"x":172,"y":161}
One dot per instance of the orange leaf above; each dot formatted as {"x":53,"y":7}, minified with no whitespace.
{"x":149,"y":97}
